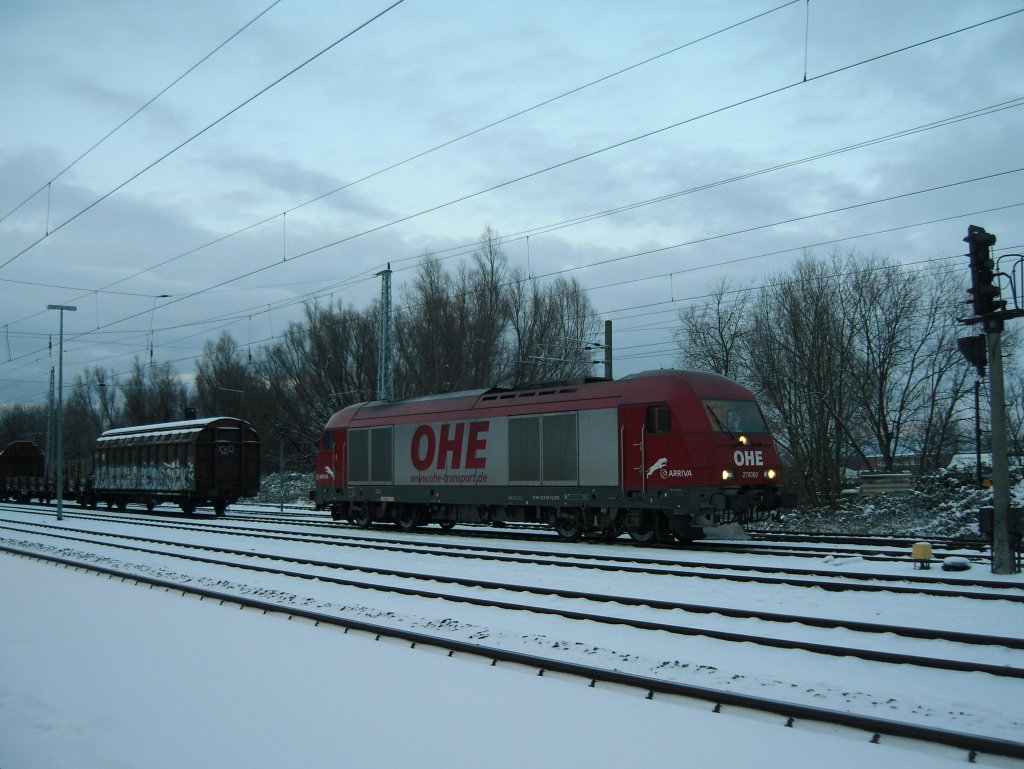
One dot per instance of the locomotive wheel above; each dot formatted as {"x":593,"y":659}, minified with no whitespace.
{"x":359,"y":517}
{"x":648,"y":531}
{"x":569,"y":526}
{"x":407,"y":520}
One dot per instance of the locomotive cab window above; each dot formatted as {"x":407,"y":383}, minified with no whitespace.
{"x":734,"y":417}
{"x":328,"y":440}
{"x":658,"y":419}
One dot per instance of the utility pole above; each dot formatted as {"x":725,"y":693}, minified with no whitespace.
{"x":385,"y":355}
{"x":608,"y":350}
{"x":49,"y":427}
{"x":280,"y":460}
{"x":60,"y":407}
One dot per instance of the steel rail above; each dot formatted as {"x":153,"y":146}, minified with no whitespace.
{"x":721,"y":635}
{"x":761,"y":574}
{"x":973,"y":744}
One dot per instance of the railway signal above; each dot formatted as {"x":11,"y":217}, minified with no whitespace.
{"x":983,"y":290}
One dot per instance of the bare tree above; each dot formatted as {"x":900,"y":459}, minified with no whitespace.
{"x":451,"y":331}
{"x":710,"y":336}
{"x":429,"y":333}
{"x":95,"y":395}
{"x":152,"y":393}
{"x":885,"y":310}
{"x":317,"y":367}
{"x":226,"y":383}
{"x":854,"y":358}
{"x":799,"y":348}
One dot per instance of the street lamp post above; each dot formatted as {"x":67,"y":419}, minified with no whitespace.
{"x":60,"y":407}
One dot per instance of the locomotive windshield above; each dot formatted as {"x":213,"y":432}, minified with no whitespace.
{"x":734,"y":416}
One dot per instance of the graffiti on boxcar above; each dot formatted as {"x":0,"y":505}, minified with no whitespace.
{"x":168,"y":476}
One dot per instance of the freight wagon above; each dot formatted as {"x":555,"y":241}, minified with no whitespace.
{"x":214,"y":461}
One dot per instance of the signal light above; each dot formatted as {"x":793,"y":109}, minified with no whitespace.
{"x":983,"y":290}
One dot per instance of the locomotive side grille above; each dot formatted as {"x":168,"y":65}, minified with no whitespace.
{"x":561,"y":458}
{"x":524,"y":450}
{"x":359,"y":456}
{"x":382,"y":457}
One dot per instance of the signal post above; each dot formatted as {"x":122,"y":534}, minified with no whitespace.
{"x":991,"y":311}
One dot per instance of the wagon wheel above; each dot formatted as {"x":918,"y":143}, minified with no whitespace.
{"x":188,"y":506}
{"x":219,"y":506}
{"x":150,"y":505}
{"x":446,"y":525}
{"x":569,"y":525}
{"x":122,"y":505}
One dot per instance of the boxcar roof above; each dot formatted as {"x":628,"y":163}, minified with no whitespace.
{"x":168,"y":429}
{"x":21,"y":449}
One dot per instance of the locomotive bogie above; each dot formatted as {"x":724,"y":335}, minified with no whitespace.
{"x":660,"y":455}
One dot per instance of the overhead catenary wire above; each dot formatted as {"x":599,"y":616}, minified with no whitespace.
{"x":668,"y":345}
{"x":460,"y":250}
{"x":453,"y":141}
{"x":132,"y":116}
{"x":247,"y":274}
{"x":532,"y":174}
{"x":202,"y":131}
{"x":693,"y":242}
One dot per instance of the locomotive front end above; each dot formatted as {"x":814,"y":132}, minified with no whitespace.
{"x":746,"y":462}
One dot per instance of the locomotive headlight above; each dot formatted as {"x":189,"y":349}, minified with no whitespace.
{"x":728,"y":475}
{"x":744,"y":440}
{"x":769,"y":474}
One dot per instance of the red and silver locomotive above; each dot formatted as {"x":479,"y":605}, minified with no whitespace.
{"x":659,"y":455}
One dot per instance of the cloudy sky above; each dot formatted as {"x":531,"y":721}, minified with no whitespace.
{"x":171,"y":197}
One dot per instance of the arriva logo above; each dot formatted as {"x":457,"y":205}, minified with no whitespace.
{"x":748,"y":457}
{"x":657,"y":466}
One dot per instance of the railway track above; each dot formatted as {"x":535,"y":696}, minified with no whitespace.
{"x":968,"y":639}
{"x":831,"y":579}
{"x":814,"y":546}
{"x":970,"y":744}
{"x":797,"y":545}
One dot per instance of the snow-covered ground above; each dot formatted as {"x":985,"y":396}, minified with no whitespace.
{"x":99,"y":673}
